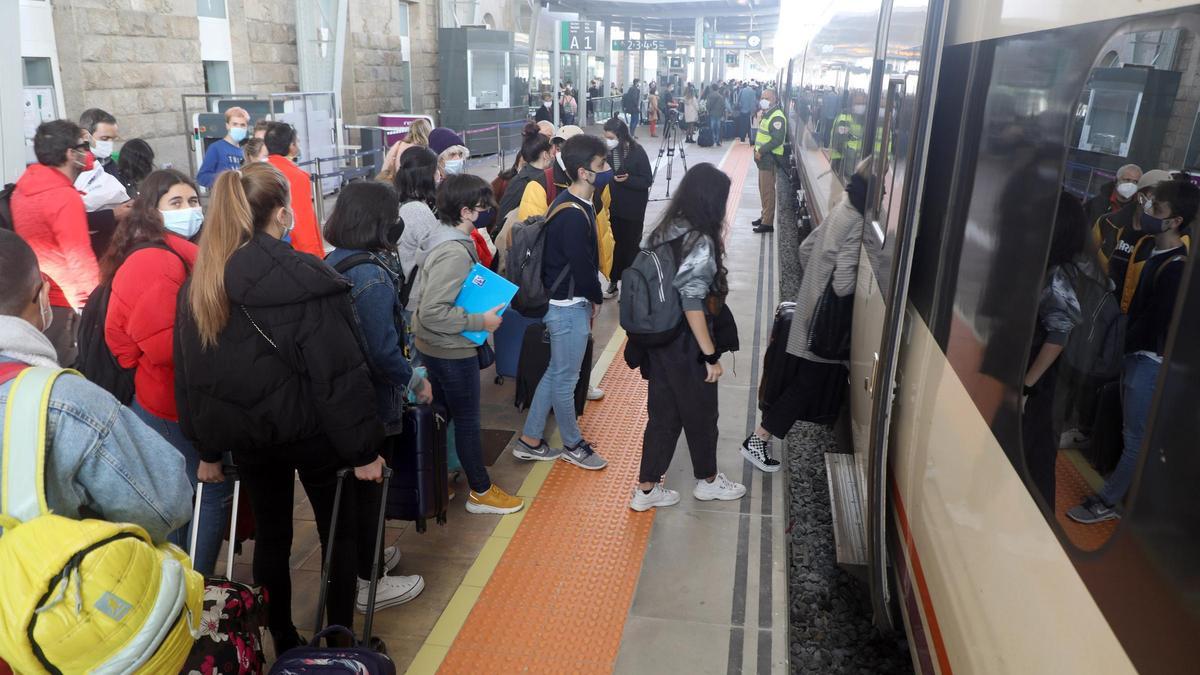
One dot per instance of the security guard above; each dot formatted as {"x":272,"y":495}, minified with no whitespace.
{"x":845,"y":147}
{"x":768,"y":155}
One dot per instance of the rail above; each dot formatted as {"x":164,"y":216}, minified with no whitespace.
{"x":506,"y":140}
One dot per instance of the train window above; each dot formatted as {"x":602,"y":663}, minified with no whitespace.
{"x":1117,"y":257}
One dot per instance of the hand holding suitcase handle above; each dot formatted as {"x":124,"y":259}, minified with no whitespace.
{"x":237,"y":489}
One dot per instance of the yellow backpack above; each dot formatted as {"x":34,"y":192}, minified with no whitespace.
{"x":81,"y":595}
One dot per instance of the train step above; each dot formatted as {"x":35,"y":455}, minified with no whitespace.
{"x":848,"y":511}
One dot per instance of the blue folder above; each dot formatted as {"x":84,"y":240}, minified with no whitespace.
{"x":482,"y":290}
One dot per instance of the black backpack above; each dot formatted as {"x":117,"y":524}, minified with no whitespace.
{"x":96,"y":360}
{"x":6,"y":219}
{"x":651,"y":310}
{"x":1096,"y":346}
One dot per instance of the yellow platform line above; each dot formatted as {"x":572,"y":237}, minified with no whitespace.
{"x":429,"y":658}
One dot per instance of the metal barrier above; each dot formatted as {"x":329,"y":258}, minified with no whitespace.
{"x":505,"y":142}
{"x":348,"y":167}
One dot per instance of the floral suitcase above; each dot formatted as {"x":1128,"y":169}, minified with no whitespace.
{"x":235,"y":614}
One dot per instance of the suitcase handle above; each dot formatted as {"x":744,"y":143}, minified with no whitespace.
{"x":237,"y":490}
{"x":333,"y":520}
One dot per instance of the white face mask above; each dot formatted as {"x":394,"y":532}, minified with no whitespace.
{"x":46,"y":312}
{"x":103,"y":149}
{"x":546,"y":104}
{"x":612,"y":143}
{"x":764,"y":103}
{"x":454,"y":166}
{"x":1126,"y":190}
{"x":184,"y":222}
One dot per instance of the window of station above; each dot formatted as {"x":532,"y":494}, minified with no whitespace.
{"x":213,"y":9}
{"x":216,"y":77}
{"x":1117,"y":268}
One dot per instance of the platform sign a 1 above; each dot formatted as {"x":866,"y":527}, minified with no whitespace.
{"x":578,"y":36}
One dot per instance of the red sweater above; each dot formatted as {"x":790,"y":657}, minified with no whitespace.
{"x":48,"y":214}
{"x":140,"y":324}
{"x":306,"y":235}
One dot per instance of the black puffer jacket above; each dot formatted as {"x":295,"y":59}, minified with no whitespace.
{"x":250,"y":397}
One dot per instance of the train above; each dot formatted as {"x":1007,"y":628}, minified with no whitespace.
{"x":976,"y":117}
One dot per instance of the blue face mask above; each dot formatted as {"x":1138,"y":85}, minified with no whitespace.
{"x":603,"y":178}
{"x":183,"y":222}
{"x":453,"y":167}
{"x":485,"y":219}
{"x":238,"y":134}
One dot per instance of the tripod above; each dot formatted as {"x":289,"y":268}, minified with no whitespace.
{"x":670,"y":142}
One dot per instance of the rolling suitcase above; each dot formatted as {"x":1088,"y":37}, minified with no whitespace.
{"x":508,"y":339}
{"x":419,"y":489}
{"x":1107,"y":443}
{"x":368,"y":657}
{"x":779,"y":367}
{"x":704,"y":137}
{"x":235,"y":614}
{"x":728,"y":131}
{"x":535,"y":358}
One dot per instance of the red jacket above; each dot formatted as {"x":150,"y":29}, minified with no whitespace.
{"x":306,"y":235}
{"x":140,"y":324}
{"x":48,"y":214}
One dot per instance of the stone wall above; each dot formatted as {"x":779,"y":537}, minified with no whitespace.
{"x":375,"y":78}
{"x":423,"y":27}
{"x":263,"y":36}
{"x":133,"y":58}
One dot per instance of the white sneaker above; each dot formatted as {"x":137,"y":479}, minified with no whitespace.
{"x":721,"y":488}
{"x":1074,"y":438}
{"x":595,"y":393}
{"x":391,"y":591}
{"x":659,"y":496}
{"x":391,"y":558}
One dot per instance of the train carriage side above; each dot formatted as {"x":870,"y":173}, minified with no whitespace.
{"x":991,"y":575}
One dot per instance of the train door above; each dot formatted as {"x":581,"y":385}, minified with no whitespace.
{"x":908,"y":49}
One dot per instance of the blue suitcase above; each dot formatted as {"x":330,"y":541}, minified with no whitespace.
{"x":727,"y":130}
{"x":507,"y":340}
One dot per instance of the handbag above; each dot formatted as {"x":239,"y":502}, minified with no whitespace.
{"x":725,"y":330}
{"x":829,"y":329}
{"x":486,"y":355}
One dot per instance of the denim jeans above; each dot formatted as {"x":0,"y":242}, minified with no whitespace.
{"x":1138,"y":377}
{"x":213,"y":518}
{"x":634,"y":119}
{"x":569,"y":329}
{"x":456,"y":385}
{"x":714,"y":124}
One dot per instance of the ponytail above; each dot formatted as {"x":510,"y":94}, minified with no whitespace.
{"x":242,"y":203}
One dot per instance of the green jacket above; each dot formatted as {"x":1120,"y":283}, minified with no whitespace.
{"x":438,"y":323}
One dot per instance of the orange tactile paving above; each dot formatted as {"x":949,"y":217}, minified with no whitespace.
{"x":558,"y":599}
{"x":1070,"y":489}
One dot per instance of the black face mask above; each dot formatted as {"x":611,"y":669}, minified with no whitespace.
{"x":857,"y":191}
{"x":484,"y":219}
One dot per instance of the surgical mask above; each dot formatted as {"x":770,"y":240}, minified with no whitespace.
{"x":612,"y":143}
{"x":1126,"y":190}
{"x":546,"y":104}
{"x":602,"y":179}
{"x":46,"y":312}
{"x":238,"y":134}
{"x":764,"y":104}
{"x":103,"y":149}
{"x":183,"y":222}
{"x":454,"y":166}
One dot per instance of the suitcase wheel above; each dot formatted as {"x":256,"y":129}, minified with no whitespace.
{"x":499,"y":379}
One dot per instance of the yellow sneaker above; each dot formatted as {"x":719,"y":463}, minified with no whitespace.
{"x":494,"y":500}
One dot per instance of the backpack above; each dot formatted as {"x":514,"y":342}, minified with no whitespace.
{"x":629,"y":102}
{"x":523,"y":264}
{"x":6,"y":218}
{"x":651,"y":310}
{"x":1097,"y":345}
{"x":92,"y":595}
{"x":96,"y":360}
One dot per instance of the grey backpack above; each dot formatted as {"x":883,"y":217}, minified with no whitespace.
{"x":651,"y":311}
{"x":523,"y":264}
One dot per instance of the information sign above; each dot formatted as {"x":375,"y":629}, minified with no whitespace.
{"x":578,"y":36}
{"x":643,"y":45}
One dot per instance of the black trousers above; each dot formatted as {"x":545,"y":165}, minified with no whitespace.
{"x":1040,"y":438}
{"x":678,"y":400}
{"x":627,"y":236}
{"x":270,"y":487}
{"x":814,"y":392}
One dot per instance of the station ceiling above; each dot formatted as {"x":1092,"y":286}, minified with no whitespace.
{"x":676,"y":18}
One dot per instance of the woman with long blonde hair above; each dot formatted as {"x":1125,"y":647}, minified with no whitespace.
{"x":268,"y":367}
{"x":418,"y":136}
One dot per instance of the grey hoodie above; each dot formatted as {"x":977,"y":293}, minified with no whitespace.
{"x":419,"y":225}
{"x":447,"y":256}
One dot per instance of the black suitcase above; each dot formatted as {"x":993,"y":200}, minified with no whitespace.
{"x":728,"y":131}
{"x":779,"y":367}
{"x":705,"y":137}
{"x":535,"y":358}
{"x":1106,"y":445}
{"x":419,"y":489}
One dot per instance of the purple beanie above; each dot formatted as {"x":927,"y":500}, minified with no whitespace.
{"x":442,"y":138}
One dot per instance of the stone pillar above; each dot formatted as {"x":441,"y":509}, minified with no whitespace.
{"x":12,"y":140}
{"x":698,"y":50}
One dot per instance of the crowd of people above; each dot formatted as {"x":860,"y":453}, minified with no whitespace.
{"x":265,"y":345}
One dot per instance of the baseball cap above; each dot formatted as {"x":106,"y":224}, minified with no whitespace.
{"x":567,"y":132}
{"x":1153,"y":177}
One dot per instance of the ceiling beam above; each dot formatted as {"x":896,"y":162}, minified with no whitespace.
{"x":768,"y":14}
